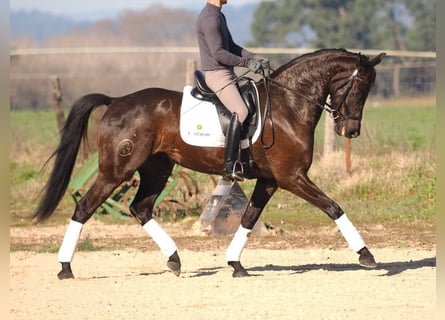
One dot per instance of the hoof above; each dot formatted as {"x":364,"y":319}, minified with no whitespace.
{"x":239,"y":271}
{"x":366,"y":259}
{"x":66,"y":272}
{"x":174,"y":264}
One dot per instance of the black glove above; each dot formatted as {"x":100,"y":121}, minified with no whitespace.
{"x":254,"y":65}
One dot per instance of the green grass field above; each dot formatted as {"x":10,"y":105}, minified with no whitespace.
{"x":392,"y":180}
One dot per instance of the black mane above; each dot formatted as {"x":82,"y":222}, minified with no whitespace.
{"x":310,"y":55}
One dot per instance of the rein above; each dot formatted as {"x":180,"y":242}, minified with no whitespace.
{"x":326,"y":106}
{"x":268,"y":109}
{"x":267,"y":113}
{"x":234,"y":81}
{"x":267,"y":80}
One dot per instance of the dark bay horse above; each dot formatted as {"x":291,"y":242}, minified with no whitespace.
{"x":140,"y":132}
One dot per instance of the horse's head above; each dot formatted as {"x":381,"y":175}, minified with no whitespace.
{"x":349,"y":91}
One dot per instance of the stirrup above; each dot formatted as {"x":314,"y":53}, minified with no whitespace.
{"x":235,"y":175}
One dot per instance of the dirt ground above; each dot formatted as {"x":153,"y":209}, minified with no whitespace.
{"x":131,"y":281}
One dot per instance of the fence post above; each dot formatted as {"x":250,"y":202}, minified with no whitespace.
{"x":190,"y":73}
{"x":329,"y":133}
{"x":348,"y":155}
{"x":57,"y":98}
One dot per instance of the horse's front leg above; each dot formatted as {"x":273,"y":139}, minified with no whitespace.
{"x":263,"y":191}
{"x":303,"y":187}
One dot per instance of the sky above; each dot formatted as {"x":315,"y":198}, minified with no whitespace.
{"x":93,"y":9}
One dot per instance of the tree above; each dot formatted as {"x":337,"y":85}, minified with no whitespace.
{"x":422,"y":34}
{"x":323,"y":23}
{"x":317,"y":23}
{"x":345,"y":23}
{"x":355,"y":24}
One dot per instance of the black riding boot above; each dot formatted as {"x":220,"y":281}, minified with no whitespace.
{"x":232,"y":167}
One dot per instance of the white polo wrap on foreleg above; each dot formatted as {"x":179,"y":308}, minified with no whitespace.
{"x":238,"y":243}
{"x":69,"y":243}
{"x":160,"y":237}
{"x":350,"y":233}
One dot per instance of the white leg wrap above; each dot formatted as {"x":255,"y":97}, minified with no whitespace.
{"x":238,"y":243}
{"x":350,"y":233}
{"x":69,"y":243}
{"x":160,"y":237}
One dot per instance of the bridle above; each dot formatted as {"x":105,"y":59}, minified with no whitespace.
{"x":333,"y":112}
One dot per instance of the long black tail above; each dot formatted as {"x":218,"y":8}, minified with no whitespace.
{"x":75,"y":129}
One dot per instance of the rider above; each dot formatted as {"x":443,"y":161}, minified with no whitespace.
{"x":219,"y":55}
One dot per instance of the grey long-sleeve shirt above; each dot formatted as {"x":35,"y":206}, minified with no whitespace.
{"x":216,"y":46}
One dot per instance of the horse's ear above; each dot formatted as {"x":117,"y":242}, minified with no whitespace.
{"x":377,"y":59}
{"x":360,"y":59}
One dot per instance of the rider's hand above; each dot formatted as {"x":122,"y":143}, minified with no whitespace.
{"x":260,"y":58}
{"x":254,"y":65}
{"x":264,"y":61}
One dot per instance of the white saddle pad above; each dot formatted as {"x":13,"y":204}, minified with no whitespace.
{"x":199,"y":123}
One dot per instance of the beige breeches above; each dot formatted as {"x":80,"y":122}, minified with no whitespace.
{"x":222,"y":83}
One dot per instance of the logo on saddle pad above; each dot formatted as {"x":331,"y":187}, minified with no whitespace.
{"x":200,"y":123}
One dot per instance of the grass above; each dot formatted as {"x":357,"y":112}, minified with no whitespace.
{"x":402,"y":126}
{"x":36,"y":127}
{"x":392,"y":179}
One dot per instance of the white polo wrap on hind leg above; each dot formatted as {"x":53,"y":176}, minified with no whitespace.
{"x":69,"y":243}
{"x":238,"y":243}
{"x":350,"y":233}
{"x":160,"y":237}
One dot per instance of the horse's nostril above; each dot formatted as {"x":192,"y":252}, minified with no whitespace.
{"x":354,"y":134}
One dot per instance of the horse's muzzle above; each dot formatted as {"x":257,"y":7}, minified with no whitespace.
{"x":348,"y":128}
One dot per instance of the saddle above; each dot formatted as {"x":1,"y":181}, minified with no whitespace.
{"x":249,"y":93}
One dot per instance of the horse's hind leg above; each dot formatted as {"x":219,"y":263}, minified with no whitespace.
{"x":154,"y":174}
{"x":96,"y":195}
